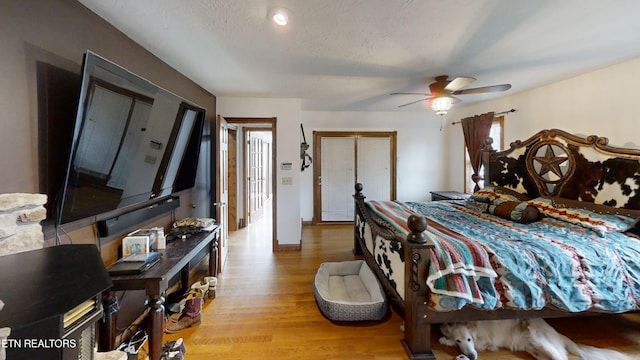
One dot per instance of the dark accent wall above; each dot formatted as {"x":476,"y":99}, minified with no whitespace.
{"x":36,"y":36}
{"x":58,"y":33}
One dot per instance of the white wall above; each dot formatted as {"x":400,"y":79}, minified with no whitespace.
{"x":420,"y":146}
{"x":602,"y":102}
{"x":287,"y":112}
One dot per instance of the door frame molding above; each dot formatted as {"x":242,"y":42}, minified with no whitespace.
{"x":317,"y":163}
{"x":270,"y":124}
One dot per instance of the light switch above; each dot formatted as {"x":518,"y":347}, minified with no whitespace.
{"x":287,"y":181}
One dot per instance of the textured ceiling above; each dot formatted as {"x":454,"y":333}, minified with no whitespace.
{"x":351,"y":54}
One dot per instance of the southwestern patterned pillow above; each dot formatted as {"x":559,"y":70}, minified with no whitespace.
{"x":490,"y":194}
{"x":600,"y":223}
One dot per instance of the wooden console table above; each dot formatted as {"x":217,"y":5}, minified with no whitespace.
{"x":176,"y":259}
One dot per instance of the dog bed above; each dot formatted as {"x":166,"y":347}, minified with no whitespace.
{"x":348,"y":291}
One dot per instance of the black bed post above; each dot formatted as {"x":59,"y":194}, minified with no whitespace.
{"x":417,"y":327}
{"x":359,"y":199}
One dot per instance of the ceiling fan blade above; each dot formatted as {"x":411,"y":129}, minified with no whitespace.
{"x":484,"y":89}
{"x":458,"y":83}
{"x":408,"y":93}
{"x":413,"y":102}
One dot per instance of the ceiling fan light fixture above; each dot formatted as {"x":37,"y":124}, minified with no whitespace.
{"x":441,"y":105}
{"x":279,"y":16}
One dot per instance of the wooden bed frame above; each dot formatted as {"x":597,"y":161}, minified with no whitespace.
{"x":571,"y":169}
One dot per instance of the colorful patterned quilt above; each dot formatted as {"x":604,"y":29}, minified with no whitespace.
{"x":490,"y":263}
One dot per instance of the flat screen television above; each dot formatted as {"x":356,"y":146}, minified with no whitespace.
{"x":131,"y":141}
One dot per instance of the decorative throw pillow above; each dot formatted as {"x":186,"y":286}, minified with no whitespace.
{"x":511,"y":192}
{"x":490,"y":194}
{"x":600,"y":223}
{"x":514,"y":210}
{"x":597,"y":208}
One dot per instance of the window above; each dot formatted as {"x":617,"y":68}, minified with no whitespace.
{"x":497,"y":134}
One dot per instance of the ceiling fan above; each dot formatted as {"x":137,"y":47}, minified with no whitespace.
{"x":442,"y":90}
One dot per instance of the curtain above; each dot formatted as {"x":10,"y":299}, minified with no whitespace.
{"x":476,"y":129}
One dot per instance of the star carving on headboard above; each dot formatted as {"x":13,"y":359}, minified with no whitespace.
{"x":550,"y":162}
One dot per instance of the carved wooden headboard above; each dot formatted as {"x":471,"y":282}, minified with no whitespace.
{"x":558,"y":164}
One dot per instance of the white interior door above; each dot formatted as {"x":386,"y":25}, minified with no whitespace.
{"x":337,"y":179}
{"x":374,"y":166}
{"x":258,"y":173}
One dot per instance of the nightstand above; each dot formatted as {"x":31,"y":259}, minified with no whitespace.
{"x":448,"y":195}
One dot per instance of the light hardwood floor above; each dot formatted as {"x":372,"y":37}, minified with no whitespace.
{"x":265,"y":309}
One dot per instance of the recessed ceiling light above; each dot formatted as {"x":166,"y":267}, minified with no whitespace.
{"x":279,"y":16}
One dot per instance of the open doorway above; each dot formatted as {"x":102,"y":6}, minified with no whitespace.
{"x":259,"y":167}
{"x":251,"y":174}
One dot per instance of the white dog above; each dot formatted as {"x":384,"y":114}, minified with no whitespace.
{"x":534,"y":336}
